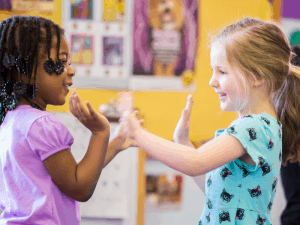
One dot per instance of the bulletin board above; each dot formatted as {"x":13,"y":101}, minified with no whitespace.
{"x":114,"y":47}
{"x":115,"y":196}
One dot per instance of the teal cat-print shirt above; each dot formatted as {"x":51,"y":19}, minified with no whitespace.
{"x":238,"y":193}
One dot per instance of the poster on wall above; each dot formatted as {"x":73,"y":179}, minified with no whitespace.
{"x":112,"y":51}
{"x":115,"y":47}
{"x":113,"y":11}
{"x":5,"y":5}
{"x":164,"y":44}
{"x":33,"y":5}
{"x":290,"y":21}
{"x":82,"y":9}
{"x":164,"y":191}
{"x":82,"y":47}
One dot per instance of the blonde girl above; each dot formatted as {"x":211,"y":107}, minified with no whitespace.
{"x":253,"y":76}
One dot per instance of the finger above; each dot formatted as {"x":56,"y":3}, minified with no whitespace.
{"x":189,"y":102}
{"x":74,"y":105}
{"x":121,"y":93}
{"x":82,"y":110}
{"x":71,"y":105}
{"x":92,"y":111}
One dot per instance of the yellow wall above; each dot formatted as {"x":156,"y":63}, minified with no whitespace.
{"x":162,"y":110}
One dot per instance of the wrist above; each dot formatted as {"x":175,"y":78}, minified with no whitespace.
{"x":105,"y":132}
{"x":138,"y":133}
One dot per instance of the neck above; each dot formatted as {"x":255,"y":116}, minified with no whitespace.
{"x":26,"y":101}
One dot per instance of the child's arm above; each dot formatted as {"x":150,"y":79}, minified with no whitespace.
{"x":79,"y":181}
{"x":118,"y":143}
{"x":119,"y":140}
{"x":215,"y":153}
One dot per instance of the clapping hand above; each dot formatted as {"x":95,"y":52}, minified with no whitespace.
{"x":89,"y":117}
{"x":125,"y":103}
{"x":181,"y":133}
{"x":132,"y":125}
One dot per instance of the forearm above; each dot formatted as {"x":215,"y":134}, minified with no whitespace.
{"x":177,"y":156}
{"x":112,"y":151}
{"x":90,"y":167}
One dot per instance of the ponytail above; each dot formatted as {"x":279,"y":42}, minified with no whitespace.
{"x":286,"y":102}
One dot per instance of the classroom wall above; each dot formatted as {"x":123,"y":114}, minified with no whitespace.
{"x":162,"y":110}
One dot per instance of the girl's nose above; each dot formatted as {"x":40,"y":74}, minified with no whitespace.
{"x":213,"y":82}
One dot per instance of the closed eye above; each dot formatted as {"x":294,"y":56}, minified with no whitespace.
{"x":220,"y":71}
{"x":66,"y":62}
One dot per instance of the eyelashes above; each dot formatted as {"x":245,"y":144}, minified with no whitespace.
{"x":219,"y":71}
{"x":64,"y":61}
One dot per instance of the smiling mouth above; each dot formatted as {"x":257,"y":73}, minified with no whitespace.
{"x":66,"y":87}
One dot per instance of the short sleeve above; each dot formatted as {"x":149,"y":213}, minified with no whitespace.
{"x":251,"y":132}
{"x":47,"y":136}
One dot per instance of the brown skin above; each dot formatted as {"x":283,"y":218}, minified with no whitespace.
{"x":50,"y":87}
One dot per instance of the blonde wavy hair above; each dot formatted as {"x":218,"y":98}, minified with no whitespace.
{"x":259,"y":49}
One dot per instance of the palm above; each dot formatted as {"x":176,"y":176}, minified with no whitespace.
{"x":181,"y":133}
{"x":124,"y":142}
{"x":125,"y":103}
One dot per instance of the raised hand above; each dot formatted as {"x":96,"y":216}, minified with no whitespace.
{"x":181,"y":133}
{"x":132,"y":125}
{"x":123,"y":141}
{"x":125,"y":104}
{"x":89,"y":117}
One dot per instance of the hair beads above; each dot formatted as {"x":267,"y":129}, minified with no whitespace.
{"x":17,"y":57}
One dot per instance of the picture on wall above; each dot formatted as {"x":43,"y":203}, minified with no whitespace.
{"x":113,"y":51}
{"x":164,"y":191}
{"x":113,"y":10}
{"x":82,"y":9}
{"x":5,"y":4}
{"x":165,"y":40}
{"x":33,"y":5}
{"x":82,"y":49}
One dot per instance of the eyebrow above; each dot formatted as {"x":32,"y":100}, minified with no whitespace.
{"x":218,"y":67}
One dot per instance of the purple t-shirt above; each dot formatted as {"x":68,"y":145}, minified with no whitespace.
{"x":27,"y":193}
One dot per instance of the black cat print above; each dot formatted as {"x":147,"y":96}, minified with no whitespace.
{"x":225,"y":197}
{"x":225,"y":172}
{"x":240,"y":214}
{"x":224,"y":216}
{"x":255,"y":192}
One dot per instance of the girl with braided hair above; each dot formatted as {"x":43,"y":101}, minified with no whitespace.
{"x":253,"y":76}
{"x":40,"y":181}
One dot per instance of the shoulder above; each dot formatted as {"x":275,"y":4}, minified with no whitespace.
{"x":249,"y":124}
{"x":46,"y":123}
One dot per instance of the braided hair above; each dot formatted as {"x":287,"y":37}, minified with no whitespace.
{"x":23,"y":40}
